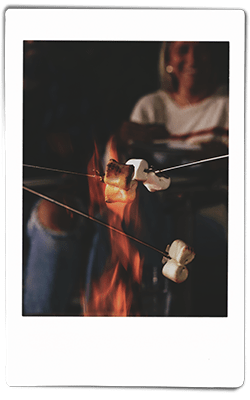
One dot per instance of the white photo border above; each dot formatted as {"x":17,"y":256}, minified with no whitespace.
{"x":155,"y":352}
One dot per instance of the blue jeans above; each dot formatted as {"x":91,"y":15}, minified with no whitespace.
{"x":51,"y":271}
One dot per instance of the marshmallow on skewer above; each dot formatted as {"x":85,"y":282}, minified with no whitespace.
{"x":140,"y":169}
{"x":119,"y":175}
{"x":180,"y":255}
{"x":155,"y":183}
{"x":181,"y":252}
{"x":175,"y":271}
{"x":115,"y":194}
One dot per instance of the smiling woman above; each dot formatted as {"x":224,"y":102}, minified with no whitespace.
{"x":208,"y":61}
{"x":191,"y":62}
{"x":191,"y":104}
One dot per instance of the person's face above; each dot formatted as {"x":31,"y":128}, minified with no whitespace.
{"x":191,"y":62}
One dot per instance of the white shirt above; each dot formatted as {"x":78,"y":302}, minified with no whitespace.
{"x":184,"y":123}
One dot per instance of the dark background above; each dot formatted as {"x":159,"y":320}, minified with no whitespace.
{"x":76,"y":93}
{"x":84,"y":91}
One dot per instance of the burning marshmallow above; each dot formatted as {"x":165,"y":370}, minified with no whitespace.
{"x":123,"y":176}
{"x":175,"y":268}
{"x":155,"y":183}
{"x":140,"y":169}
{"x":115,"y":194}
{"x":119,"y":175}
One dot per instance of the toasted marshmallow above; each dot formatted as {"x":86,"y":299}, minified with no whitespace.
{"x":140,"y":169}
{"x":175,"y":271}
{"x":119,"y":175}
{"x":155,"y":183}
{"x":115,"y":194}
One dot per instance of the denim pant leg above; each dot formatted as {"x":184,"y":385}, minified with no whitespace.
{"x":50,"y":274}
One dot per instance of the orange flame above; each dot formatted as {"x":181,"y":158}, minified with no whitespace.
{"x":113,"y":293}
{"x":96,"y":192}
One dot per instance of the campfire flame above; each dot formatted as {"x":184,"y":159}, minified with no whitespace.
{"x":96,"y":187}
{"x":115,"y":293}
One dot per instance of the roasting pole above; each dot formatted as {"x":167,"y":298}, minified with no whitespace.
{"x":156,"y":172}
{"x":191,"y":163}
{"x":95,"y":220}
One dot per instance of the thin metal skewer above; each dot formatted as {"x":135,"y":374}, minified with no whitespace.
{"x":58,"y":170}
{"x":192,"y":163}
{"x":156,"y":172}
{"x":96,"y":220}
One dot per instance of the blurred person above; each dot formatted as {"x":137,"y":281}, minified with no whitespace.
{"x":56,"y":249}
{"x":56,"y":130}
{"x":53,"y":261}
{"x":191,"y":104}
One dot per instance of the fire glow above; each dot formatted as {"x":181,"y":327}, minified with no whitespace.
{"x":115,"y":292}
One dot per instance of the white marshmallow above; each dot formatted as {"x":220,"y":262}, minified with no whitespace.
{"x":155,"y":183}
{"x":140,"y":166}
{"x":175,"y":271}
{"x":180,"y":252}
{"x":175,"y":267}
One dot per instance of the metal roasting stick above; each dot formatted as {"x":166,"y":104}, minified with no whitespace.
{"x":58,"y":170}
{"x":96,"y":220}
{"x":192,"y":163}
{"x":156,"y":172}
